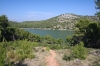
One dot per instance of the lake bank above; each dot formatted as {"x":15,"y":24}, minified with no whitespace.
{"x":46,"y":29}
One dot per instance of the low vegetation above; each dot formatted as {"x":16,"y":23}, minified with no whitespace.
{"x":16,"y":51}
{"x":16,"y":44}
{"x":78,"y":51}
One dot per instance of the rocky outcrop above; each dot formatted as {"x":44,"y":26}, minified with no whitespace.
{"x":68,"y":20}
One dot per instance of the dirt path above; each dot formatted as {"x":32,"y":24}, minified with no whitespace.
{"x":51,"y":61}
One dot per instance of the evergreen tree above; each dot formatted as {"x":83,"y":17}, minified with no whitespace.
{"x":3,"y":26}
{"x":97,"y":2}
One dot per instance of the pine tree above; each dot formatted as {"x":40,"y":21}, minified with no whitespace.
{"x":97,"y":2}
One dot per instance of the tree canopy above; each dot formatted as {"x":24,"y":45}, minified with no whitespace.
{"x":88,"y":32}
{"x":97,"y":2}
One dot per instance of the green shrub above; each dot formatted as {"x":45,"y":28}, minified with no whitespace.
{"x":67,"y":57}
{"x":55,"y":46}
{"x":22,"y":57}
{"x":79,"y":51}
{"x":47,"y":48}
{"x":2,"y":54}
{"x":17,"y":50}
{"x":31,"y":56}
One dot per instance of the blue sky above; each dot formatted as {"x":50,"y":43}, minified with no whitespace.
{"x":25,"y":10}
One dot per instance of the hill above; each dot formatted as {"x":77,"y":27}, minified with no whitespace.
{"x":61,"y":22}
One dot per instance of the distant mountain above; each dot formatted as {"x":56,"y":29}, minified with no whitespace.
{"x":61,"y":22}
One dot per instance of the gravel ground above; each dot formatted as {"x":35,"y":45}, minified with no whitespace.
{"x":76,"y":62}
{"x":51,"y":61}
{"x":41,"y":54}
{"x":39,"y":60}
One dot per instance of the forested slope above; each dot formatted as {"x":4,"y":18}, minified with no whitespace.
{"x":61,"y":22}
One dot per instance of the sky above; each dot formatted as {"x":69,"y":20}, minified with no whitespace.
{"x":34,"y":10}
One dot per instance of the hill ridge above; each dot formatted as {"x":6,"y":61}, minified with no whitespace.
{"x":61,"y":22}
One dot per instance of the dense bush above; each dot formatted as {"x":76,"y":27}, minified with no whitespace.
{"x":68,"y":57}
{"x":87,"y":32}
{"x":16,"y":51}
{"x":79,"y":51}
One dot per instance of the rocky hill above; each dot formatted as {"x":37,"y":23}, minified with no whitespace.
{"x":61,"y":22}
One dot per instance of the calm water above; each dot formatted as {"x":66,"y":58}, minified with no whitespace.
{"x":54,"y":33}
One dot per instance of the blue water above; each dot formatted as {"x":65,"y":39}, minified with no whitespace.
{"x":54,"y":33}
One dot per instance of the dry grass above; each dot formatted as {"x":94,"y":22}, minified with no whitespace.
{"x":39,"y":60}
{"x":89,"y":61}
{"x":41,"y":53}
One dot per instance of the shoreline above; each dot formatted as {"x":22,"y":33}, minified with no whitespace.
{"x":46,"y":29}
